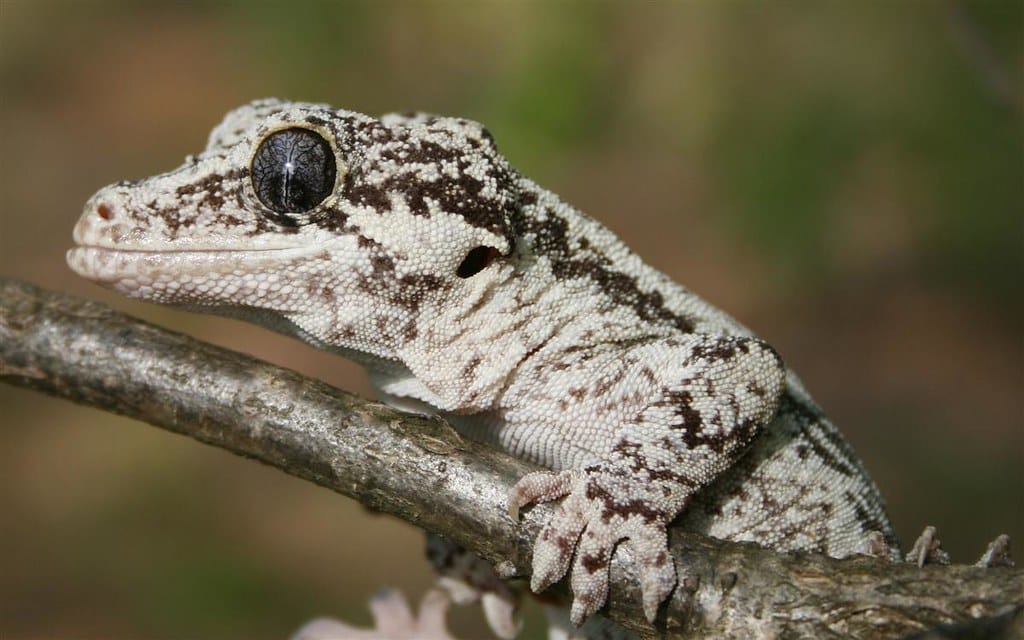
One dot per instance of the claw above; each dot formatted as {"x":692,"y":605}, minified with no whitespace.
{"x":927,"y":549}
{"x":997,"y":554}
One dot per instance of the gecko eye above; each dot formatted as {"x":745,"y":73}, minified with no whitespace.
{"x":293,"y":170}
{"x":476,"y":261}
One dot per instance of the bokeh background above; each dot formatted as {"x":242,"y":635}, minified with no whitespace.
{"x":846,"y":178}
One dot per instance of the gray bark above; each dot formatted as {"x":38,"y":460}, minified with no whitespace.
{"x":419,"y":469}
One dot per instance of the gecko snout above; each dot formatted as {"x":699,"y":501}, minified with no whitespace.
{"x":101,"y":219}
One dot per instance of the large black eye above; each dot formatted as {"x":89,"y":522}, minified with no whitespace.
{"x":476,"y":261}
{"x":293,"y":170}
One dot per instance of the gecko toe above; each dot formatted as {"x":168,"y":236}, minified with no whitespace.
{"x":554,"y":548}
{"x":927,"y":549}
{"x":997,"y":554}
{"x":590,"y":571}
{"x":540,"y":486}
{"x":649,"y":543}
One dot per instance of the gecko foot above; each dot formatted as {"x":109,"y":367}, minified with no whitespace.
{"x":997,"y":554}
{"x":927,"y":549}
{"x":468,"y":578}
{"x":392,"y":620}
{"x":592,"y":522}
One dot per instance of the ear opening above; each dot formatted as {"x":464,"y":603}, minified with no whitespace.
{"x":478,"y":259}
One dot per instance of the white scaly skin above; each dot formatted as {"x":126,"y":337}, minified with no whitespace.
{"x":551,"y":340}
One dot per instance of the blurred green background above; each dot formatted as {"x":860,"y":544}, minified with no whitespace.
{"x":845,"y":178}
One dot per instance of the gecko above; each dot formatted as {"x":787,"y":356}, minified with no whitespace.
{"x":409,"y":244}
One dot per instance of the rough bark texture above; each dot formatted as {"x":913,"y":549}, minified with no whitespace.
{"x":420,"y":470}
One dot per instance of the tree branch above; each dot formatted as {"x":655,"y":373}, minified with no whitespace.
{"x":419,"y":469}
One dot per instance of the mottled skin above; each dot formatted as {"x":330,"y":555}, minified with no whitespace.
{"x":466,"y":288}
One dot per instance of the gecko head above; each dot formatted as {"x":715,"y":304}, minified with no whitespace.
{"x":343,"y":228}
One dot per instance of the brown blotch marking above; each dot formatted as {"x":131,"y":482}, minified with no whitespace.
{"x":625,"y":510}
{"x":173,"y":220}
{"x":630,"y":451}
{"x":868,"y":521}
{"x":721,"y":349}
{"x":769,"y":504}
{"x":422,"y":282}
{"x":841,"y":466}
{"x":365,"y":130}
{"x":564,"y":543}
{"x":365,"y":194}
{"x":461,"y":195}
{"x":606,"y":384}
{"x":214,"y":187}
{"x":228,"y":220}
{"x":668,"y":475}
{"x":552,"y":240}
{"x":409,"y":332}
{"x":660,"y":559}
{"x":333,"y":219}
{"x":471,"y":366}
{"x":648,"y":374}
{"x":488,"y":138}
{"x":593,"y":564}
{"x":382,"y":264}
{"x":689,"y":418}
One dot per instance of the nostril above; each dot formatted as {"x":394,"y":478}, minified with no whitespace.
{"x":105,"y":212}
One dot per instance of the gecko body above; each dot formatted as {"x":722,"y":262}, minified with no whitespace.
{"x":410,"y":245}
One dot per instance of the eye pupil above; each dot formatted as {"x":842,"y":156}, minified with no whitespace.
{"x":293,"y":170}
{"x":476,"y":261}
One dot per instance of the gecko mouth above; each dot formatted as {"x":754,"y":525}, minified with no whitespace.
{"x":129,"y":270}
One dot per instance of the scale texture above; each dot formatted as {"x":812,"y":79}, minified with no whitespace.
{"x":409,"y":244}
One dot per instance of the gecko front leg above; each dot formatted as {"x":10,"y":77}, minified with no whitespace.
{"x":701,"y":414}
